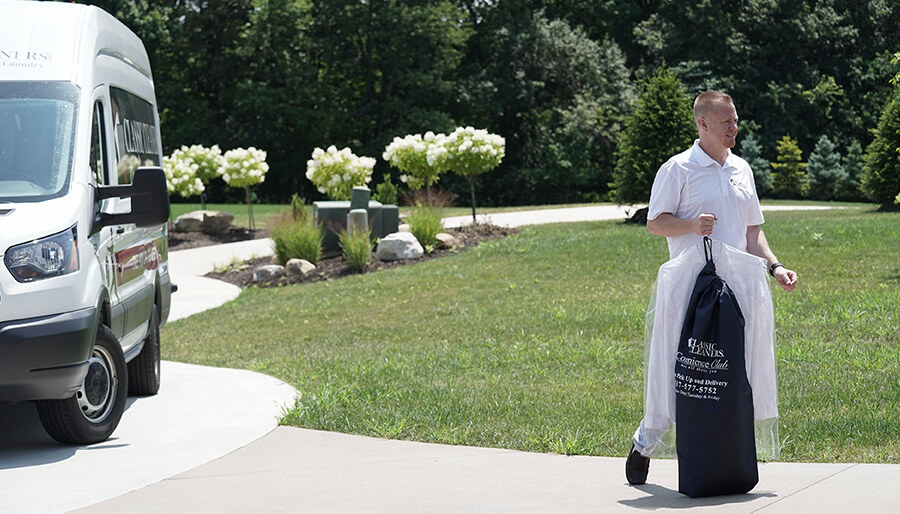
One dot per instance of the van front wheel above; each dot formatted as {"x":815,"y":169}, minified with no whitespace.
{"x":93,"y":413}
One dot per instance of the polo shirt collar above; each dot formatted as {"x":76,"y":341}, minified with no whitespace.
{"x":703,"y":160}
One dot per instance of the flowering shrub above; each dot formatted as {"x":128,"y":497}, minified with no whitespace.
{"x":181,"y":176}
{"x":245,"y":167}
{"x":209,"y":161}
{"x":336,"y":172}
{"x":422,"y":158}
{"x":472,"y":152}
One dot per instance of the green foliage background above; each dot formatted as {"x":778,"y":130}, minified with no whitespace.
{"x":556,"y":78}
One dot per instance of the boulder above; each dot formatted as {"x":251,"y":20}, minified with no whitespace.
{"x":210,"y":222}
{"x":298,"y":267}
{"x":189,"y":222}
{"x":267,"y":272}
{"x":399,"y":245}
{"x":217,"y":222}
{"x":445,"y":240}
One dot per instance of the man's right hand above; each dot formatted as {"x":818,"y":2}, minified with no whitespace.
{"x":705,"y":223}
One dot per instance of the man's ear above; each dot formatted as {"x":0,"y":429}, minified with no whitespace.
{"x":701,"y":123}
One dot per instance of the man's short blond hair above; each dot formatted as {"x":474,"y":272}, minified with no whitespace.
{"x":706,"y":100}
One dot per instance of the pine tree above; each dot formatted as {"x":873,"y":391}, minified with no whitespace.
{"x":661,"y":126}
{"x":751,"y":151}
{"x":881,"y":179}
{"x":788,"y":172}
{"x":854,"y":165}
{"x":827,"y":177}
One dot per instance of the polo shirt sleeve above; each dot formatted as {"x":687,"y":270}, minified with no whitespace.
{"x":754,"y":213}
{"x":665,"y":196}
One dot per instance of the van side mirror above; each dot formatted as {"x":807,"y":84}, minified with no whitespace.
{"x":149,"y":199}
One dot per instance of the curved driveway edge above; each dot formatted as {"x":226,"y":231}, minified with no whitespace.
{"x":199,"y":414}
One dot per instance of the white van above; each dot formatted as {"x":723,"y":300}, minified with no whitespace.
{"x":84,"y":281}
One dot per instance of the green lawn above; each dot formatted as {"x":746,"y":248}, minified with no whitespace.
{"x":262,"y":213}
{"x":534,"y":342}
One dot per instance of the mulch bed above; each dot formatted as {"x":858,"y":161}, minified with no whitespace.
{"x":328,"y":268}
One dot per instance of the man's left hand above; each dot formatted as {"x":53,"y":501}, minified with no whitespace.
{"x":786,"y":278}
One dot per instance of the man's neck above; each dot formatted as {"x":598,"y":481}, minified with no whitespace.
{"x":717,"y":152}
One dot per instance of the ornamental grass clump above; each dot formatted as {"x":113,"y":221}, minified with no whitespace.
{"x":425,"y":223}
{"x":357,"y":249}
{"x":245,"y":168}
{"x":297,"y":239}
{"x":336,"y":172}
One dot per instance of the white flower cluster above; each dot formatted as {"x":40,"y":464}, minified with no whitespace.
{"x":336,"y":172}
{"x":181,"y":176}
{"x":210,"y":162}
{"x":421,"y":158}
{"x":245,"y":167}
{"x":474,"y":151}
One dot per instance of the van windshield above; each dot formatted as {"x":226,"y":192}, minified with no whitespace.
{"x":37,"y":139}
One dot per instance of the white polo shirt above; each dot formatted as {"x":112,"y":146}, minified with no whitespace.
{"x":692,"y":183}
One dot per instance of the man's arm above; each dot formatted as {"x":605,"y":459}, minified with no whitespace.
{"x":667,"y":225}
{"x":759,"y":246}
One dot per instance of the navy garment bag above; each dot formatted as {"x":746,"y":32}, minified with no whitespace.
{"x":714,"y":435}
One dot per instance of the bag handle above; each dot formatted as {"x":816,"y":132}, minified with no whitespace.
{"x":707,"y":248}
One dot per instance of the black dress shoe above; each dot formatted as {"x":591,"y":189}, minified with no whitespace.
{"x":636,"y":467}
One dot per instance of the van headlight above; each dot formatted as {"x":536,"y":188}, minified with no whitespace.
{"x":51,"y":256}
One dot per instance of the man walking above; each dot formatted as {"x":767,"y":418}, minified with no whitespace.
{"x":705,"y":191}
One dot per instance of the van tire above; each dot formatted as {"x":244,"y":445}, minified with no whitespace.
{"x":143,"y":370}
{"x":93,"y":413}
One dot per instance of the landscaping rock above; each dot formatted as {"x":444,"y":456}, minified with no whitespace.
{"x":298,"y":267}
{"x":267,"y":272}
{"x":398,"y":246}
{"x":189,"y":222}
{"x":445,"y":240}
{"x":209,"y":222}
{"x":217,"y":222}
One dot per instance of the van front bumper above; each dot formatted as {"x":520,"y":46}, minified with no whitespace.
{"x":45,"y":358}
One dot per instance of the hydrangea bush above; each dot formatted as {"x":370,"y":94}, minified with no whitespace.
{"x":181,"y":176}
{"x":210,"y":161}
{"x":245,"y":168}
{"x":422,"y":159}
{"x":191,"y":168}
{"x":336,"y":172}
{"x":471,"y":152}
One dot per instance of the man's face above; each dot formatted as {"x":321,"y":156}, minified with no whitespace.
{"x":721,"y":125}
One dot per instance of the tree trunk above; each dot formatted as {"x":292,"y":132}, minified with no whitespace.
{"x":472,"y":191}
{"x":249,"y":209}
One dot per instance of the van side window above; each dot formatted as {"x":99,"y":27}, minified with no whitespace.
{"x":136,"y":134}
{"x":98,"y":156}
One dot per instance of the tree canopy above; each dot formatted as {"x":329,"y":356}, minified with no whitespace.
{"x":556,"y":78}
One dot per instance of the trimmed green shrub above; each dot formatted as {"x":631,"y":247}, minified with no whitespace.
{"x":788,"y":173}
{"x":661,"y":126}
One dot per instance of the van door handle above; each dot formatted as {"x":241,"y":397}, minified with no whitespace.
{"x":120,"y":230}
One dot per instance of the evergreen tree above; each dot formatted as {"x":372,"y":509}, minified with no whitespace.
{"x":881,"y":179}
{"x":661,"y":126}
{"x":788,"y":172}
{"x":854,"y":165}
{"x":751,"y":151}
{"x":827,"y":177}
